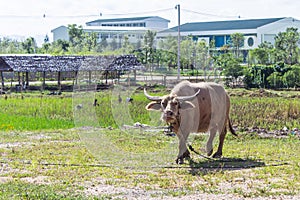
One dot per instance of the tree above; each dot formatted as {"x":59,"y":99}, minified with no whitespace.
{"x":138,"y":44}
{"x":103,"y":43}
{"x":76,"y":34}
{"x":286,"y":44}
{"x":275,"y":80}
{"x":292,"y":77}
{"x":113,"y":44}
{"x":264,"y":53}
{"x":230,"y":66}
{"x":59,"y":47}
{"x":90,"y":41}
{"x":149,"y":38}
{"x":29,"y":45}
{"x":169,"y":44}
{"x":187,"y":52}
{"x":201,"y":55}
{"x":127,"y":47}
{"x":8,"y":45}
{"x":169,"y":47}
{"x":237,"y":41}
{"x":45,"y":48}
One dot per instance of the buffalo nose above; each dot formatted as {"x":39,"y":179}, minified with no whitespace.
{"x":169,"y":113}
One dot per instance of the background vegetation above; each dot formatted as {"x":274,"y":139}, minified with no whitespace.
{"x":269,"y":110}
{"x":268,"y":66}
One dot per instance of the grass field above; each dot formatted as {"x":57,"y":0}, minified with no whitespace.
{"x":40,"y":112}
{"x":44,"y":156}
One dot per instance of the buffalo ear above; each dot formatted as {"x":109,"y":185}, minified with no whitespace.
{"x":154,"y":105}
{"x":186,"y":105}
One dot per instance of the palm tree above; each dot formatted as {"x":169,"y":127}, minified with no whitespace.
{"x":237,"y":40}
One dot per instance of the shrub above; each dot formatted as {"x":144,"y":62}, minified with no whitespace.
{"x":292,"y":77}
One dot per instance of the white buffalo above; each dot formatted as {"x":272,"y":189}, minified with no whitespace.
{"x":195,"y":107}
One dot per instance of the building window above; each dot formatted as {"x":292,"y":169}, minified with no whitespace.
{"x":250,"y":42}
{"x":219,"y":41}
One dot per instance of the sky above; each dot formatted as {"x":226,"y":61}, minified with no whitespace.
{"x":24,"y":18}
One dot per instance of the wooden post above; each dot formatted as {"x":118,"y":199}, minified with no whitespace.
{"x":128,"y":79}
{"x":75,"y":78}
{"x":27,"y":79}
{"x":106,"y":77}
{"x":19,"y":78}
{"x":2,"y":80}
{"x":90,"y":77}
{"x":44,"y":81}
{"x":134,"y":72}
{"x":164,"y":80}
{"x":58,"y":81}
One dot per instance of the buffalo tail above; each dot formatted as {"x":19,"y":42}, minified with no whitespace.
{"x":231,"y":128}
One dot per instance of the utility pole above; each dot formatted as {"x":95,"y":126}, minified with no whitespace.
{"x":178,"y":49}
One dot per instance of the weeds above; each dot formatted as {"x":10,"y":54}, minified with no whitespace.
{"x":35,"y":112}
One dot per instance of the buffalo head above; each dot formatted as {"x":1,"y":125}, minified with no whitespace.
{"x":170,"y":105}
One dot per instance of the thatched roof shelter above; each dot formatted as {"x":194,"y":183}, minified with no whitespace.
{"x":4,"y":67}
{"x":30,"y":63}
{"x":48,"y":63}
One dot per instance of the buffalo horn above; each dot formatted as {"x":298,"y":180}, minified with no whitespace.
{"x":187,"y":98}
{"x":152,"y":98}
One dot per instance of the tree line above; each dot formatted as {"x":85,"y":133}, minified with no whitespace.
{"x":267,"y":66}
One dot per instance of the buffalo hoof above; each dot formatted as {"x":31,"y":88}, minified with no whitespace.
{"x":209,"y":153}
{"x":217,"y":155}
{"x":180,"y":159}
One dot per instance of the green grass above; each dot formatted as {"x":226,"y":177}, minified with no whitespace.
{"x":35,"y":112}
{"x":40,"y":112}
{"x":19,"y":190}
{"x":251,"y":167}
{"x":38,"y":139}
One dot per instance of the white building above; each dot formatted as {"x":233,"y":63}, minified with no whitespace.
{"x":255,"y":31}
{"x":118,"y":28}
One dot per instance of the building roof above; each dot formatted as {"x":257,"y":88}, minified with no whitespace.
{"x":113,"y":28}
{"x":224,"y":25}
{"x":62,"y":26}
{"x":125,"y":19}
{"x":4,"y":67}
{"x":47,"y":63}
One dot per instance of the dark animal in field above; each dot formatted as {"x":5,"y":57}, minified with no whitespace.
{"x":119,"y":98}
{"x":96,"y":102}
{"x":195,"y":107}
{"x":79,"y":107}
{"x":129,"y":99}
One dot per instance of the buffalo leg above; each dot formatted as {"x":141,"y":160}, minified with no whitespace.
{"x":180,"y":159}
{"x":219,"y":152}
{"x":209,"y":143}
{"x":183,"y":151}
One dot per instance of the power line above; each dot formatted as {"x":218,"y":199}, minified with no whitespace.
{"x":84,"y":16}
{"x":212,"y":15}
{"x":140,"y":13}
{"x":48,"y":16}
